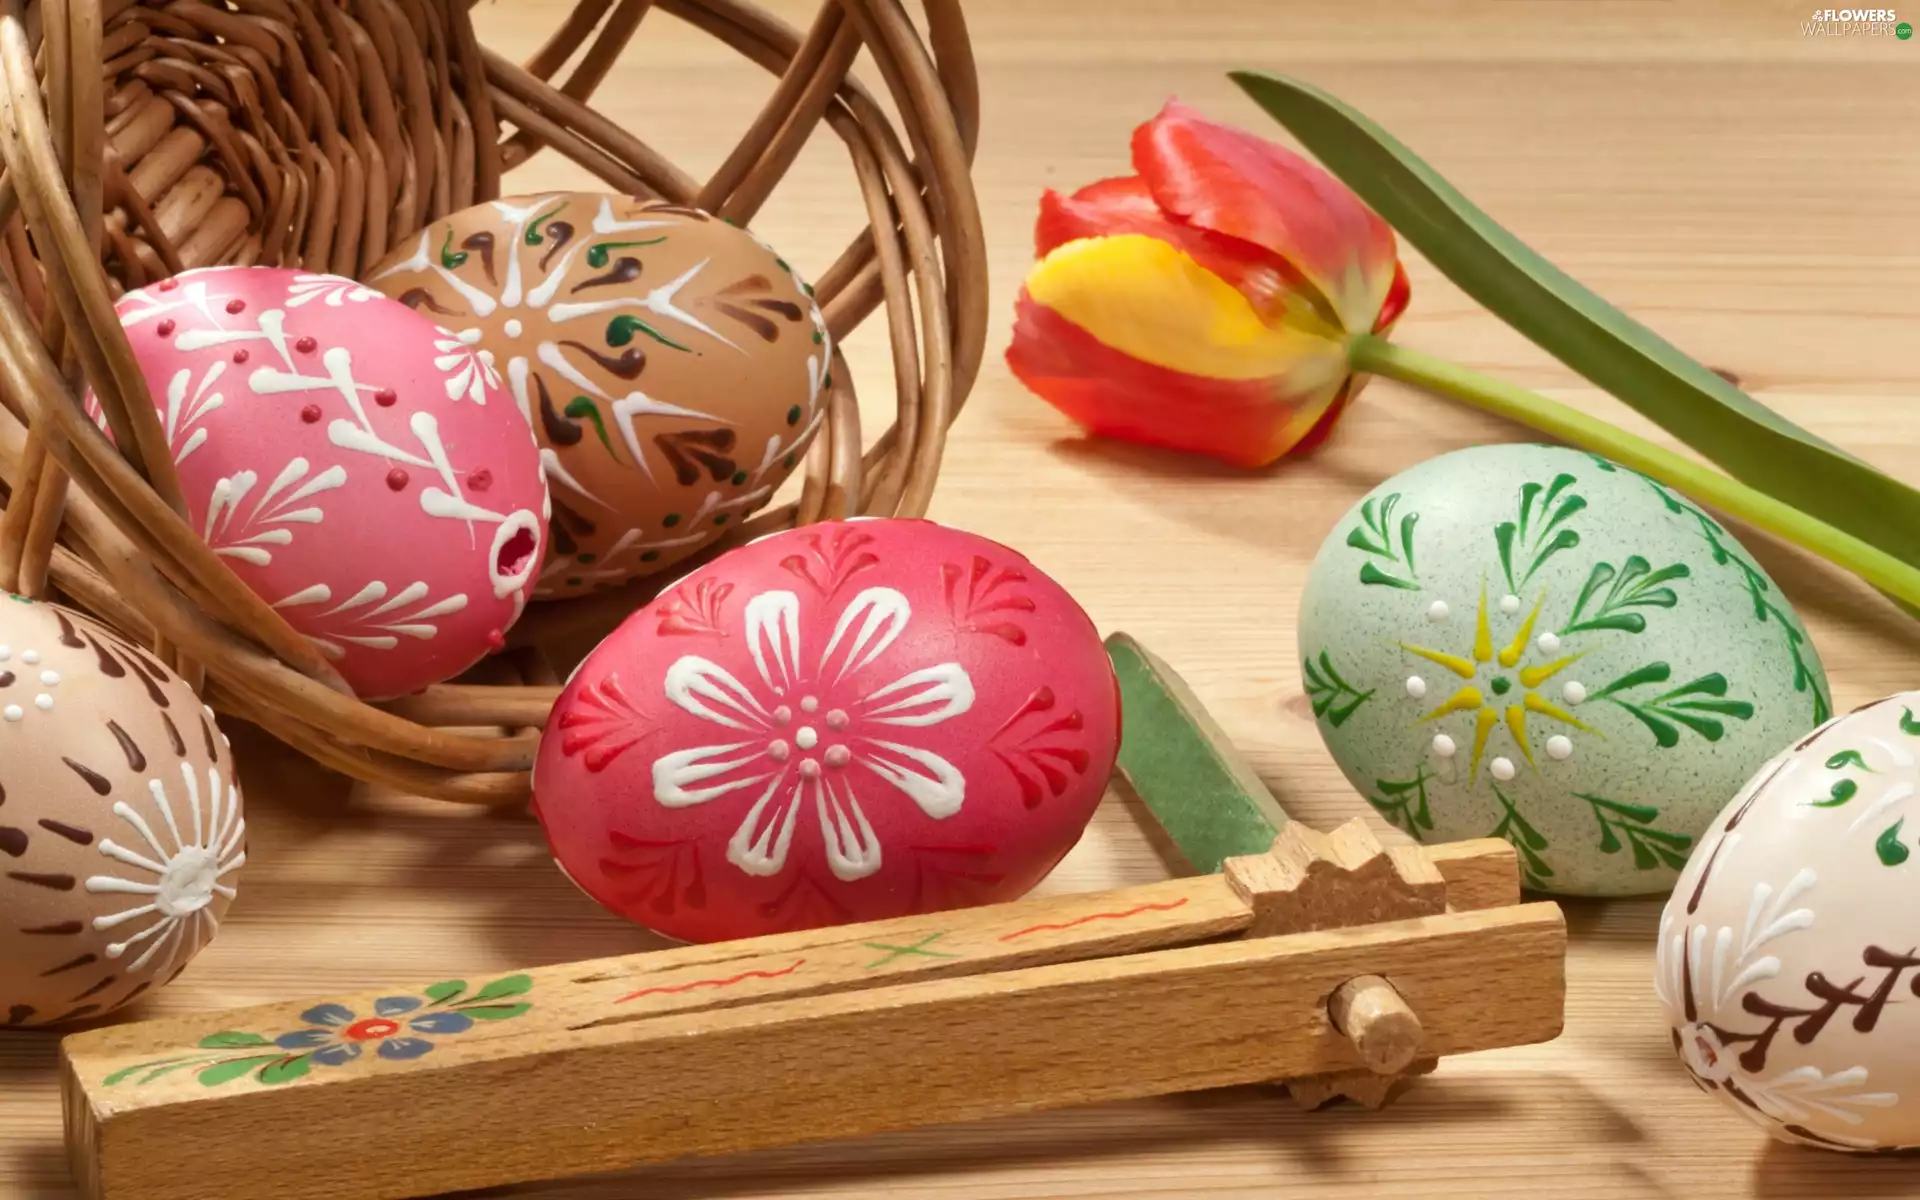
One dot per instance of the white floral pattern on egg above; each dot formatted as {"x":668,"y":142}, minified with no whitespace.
{"x":1787,"y":965}
{"x":360,"y":468}
{"x":849,"y":721}
{"x":673,"y":365}
{"x":122,"y":834}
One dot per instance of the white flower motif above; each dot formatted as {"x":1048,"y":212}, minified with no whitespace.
{"x":330,"y":290}
{"x":469,"y":371}
{"x":186,"y":878}
{"x":804,"y":725}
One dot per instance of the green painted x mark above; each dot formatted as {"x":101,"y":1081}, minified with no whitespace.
{"x":895,"y":953}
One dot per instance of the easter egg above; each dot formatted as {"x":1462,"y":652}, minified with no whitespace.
{"x":357,"y":466}
{"x":672,"y":364}
{"x":842,"y":722}
{"x":1536,"y":644}
{"x":121,"y":827}
{"x":1787,"y":968}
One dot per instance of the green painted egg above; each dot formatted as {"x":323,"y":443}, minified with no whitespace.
{"x":1532,"y":643}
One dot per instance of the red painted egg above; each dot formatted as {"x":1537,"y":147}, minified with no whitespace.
{"x":845,"y":722}
{"x":358,"y":467}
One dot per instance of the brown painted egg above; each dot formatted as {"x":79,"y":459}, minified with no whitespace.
{"x":121,"y":830}
{"x":673,"y":366}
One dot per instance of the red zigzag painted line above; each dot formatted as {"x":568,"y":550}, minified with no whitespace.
{"x":711,"y":983}
{"x":1105,"y":916}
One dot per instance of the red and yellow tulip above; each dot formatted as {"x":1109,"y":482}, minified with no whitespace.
{"x":1205,"y":303}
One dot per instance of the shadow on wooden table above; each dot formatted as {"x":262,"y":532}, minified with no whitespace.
{"x":1786,"y":1172}
{"x":29,"y":1073}
{"x":486,"y":877}
{"x":1183,"y":1139}
{"x":1212,"y":496}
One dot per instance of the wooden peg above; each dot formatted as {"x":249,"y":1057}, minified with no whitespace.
{"x":1312,"y":880}
{"x":1378,"y":1022}
{"x":1215,"y":808}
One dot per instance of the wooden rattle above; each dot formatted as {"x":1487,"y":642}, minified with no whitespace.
{"x":1325,"y":961}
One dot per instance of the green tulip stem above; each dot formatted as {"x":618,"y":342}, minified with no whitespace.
{"x":1377,"y":356}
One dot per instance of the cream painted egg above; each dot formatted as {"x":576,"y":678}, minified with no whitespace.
{"x":1532,"y":643}
{"x":121,"y":830}
{"x":672,"y":364}
{"x":1788,"y":964}
{"x":358,"y":467}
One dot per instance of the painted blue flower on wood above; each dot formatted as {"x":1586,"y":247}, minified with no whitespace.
{"x":400,"y":1028}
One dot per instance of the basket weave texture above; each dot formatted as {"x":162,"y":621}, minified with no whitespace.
{"x":143,"y":139}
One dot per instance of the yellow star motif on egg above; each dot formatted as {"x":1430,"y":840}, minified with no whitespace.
{"x":1487,"y":709}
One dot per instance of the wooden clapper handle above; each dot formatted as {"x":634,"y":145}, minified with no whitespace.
{"x":1216,"y":810}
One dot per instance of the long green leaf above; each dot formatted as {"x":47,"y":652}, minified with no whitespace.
{"x":1750,"y":441}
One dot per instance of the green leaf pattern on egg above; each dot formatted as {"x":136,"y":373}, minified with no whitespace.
{"x":1539,"y":645}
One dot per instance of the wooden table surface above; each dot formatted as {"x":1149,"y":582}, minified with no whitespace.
{"x":1747,"y":190}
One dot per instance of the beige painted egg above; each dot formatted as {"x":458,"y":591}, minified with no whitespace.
{"x":121,"y":829}
{"x":1788,"y":962}
{"x":673,"y":366}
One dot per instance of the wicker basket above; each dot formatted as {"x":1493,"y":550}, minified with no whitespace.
{"x":320,"y":132}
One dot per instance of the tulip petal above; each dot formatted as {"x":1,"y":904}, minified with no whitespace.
{"x":1105,"y":206}
{"x":1322,"y":429}
{"x":1153,"y":302}
{"x":1398,"y":297}
{"x":1124,"y":205}
{"x":1245,"y":422}
{"x":1235,"y":183}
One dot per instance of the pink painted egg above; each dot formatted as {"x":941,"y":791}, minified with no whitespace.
{"x":845,"y":722}
{"x":360,"y":468}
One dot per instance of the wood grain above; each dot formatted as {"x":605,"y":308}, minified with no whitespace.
{"x":130,"y":1089}
{"x":600,"y":993}
{"x":1483,"y":873}
{"x":532,"y":1105}
{"x":1314,"y":880}
{"x":1746,"y":191}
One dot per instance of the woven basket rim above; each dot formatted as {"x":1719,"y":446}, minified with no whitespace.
{"x":138,"y":143}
